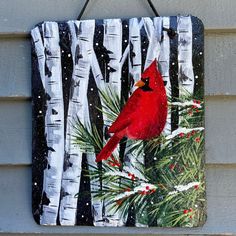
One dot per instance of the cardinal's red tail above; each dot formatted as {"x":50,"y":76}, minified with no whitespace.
{"x":108,"y":148}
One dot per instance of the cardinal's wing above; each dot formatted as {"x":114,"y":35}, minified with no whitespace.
{"x":127,"y":113}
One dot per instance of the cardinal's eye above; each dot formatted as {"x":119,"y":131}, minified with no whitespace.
{"x":146,"y":80}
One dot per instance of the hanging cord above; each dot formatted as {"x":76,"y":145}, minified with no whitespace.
{"x":82,"y":10}
{"x":153,"y":8}
{"x":171,"y":32}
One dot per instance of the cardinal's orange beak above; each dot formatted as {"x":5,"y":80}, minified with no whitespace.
{"x":140,"y":84}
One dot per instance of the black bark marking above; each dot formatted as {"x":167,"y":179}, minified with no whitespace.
{"x":132,"y":53}
{"x":78,"y":55}
{"x":47,"y":52}
{"x":77,"y":84}
{"x":47,"y":70}
{"x":183,"y":42}
{"x":182,"y":77}
{"x":64,"y":193}
{"x":54,"y":112}
{"x":47,"y":96}
{"x":67,"y":164}
{"x":51,"y":149}
{"x":78,"y":31}
{"x":45,"y":200}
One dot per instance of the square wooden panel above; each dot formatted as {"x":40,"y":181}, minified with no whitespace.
{"x":118,"y":122}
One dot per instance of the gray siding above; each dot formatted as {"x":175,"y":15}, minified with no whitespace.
{"x":17,"y":17}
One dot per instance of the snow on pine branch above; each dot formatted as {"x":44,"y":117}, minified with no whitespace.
{"x":181,"y":188}
{"x":125,"y":174}
{"x":182,"y":130}
{"x":185,"y":104}
{"x":143,"y":187}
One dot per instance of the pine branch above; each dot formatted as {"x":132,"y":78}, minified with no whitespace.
{"x":172,"y":190}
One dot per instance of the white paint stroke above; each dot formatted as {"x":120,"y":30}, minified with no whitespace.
{"x":164,"y":62}
{"x":54,"y":118}
{"x":153,"y":50}
{"x":185,"y":65}
{"x":181,"y":188}
{"x":142,"y":187}
{"x":185,"y":104}
{"x":112,"y":41}
{"x":81,"y":48}
{"x":183,"y":130}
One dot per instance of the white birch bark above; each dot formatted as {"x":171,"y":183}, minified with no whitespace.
{"x":126,"y":52}
{"x":39,"y":49}
{"x":78,"y":108}
{"x":135,"y":57}
{"x":54,"y":118}
{"x":164,"y":62}
{"x":185,"y":65}
{"x":153,"y":51}
{"x":112,"y":41}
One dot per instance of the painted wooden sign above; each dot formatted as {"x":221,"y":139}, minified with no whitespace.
{"x":118,"y":122}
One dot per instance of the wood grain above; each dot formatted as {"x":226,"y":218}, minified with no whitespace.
{"x":16,"y":194}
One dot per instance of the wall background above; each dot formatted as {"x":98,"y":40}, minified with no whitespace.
{"x":17,"y":17}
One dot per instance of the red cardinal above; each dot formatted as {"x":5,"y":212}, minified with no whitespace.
{"x":143,"y":116}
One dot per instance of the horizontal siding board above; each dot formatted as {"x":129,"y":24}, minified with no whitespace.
{"x":15,"y":131}
{"x":220,"y":130}
{"x":15,"y":202}
{"x":21,"y":15}
{"x":15,"y":68}
{"x":220,"y":66}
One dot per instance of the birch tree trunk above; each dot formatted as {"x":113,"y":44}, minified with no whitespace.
{"x":135,"y":55}
{"x":185,"y":65}
{"x":112,"y":41}
{"x":54,"y":118}
{"x":153,"y":51}
{"x":81,"y":48}
{"x":164,"y":62}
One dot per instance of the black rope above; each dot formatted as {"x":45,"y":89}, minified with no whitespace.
{"x":171,"y":33}
{"x":153,"y":8}
{"x":87,"y":1}
{"x":82,"y":10}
